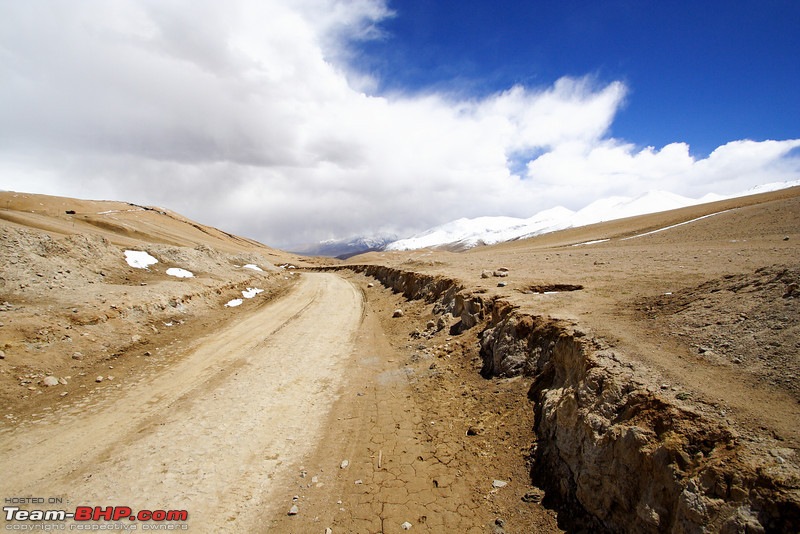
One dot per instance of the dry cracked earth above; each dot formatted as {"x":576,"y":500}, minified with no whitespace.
{"x":316,"y":406}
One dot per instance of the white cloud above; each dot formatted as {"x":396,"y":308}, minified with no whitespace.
{"x":247,"y":115}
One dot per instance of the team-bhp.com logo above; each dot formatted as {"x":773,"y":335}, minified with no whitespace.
{"x":87,"y":517}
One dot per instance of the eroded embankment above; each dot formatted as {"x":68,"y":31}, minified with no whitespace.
{"x":608,"y":451}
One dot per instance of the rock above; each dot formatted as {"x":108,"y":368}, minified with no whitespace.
{"x":398,"y":313}
{"x":294,"y":510}
{"x":499,"y":483}
{"x":431,"y":325}
{"x":344,"y":464}
{"x":2,"y":355}
{"x":535,"y":496}
{"x":692,"y":506}
{"x":500,"y":274}
{"x":485,"y":274}
{"x":792,"y":290}
{"x":50,"y":381}
{"x":370,"y":285}
{"x":406,"y":526}
{"x":743,"y":521}
{"x":474,"y":431}
{"x":502,"y":284}
{"x":77,"y":356}
{"x":99,"y":379}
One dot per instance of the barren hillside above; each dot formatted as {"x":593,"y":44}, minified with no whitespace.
{"x":72,"y":306}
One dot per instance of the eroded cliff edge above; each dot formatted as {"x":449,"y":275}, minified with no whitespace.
{"x":608,"y":448}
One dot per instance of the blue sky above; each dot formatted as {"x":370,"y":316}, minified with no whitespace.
{"x":296,"y":121}
{"x":703,"y":72}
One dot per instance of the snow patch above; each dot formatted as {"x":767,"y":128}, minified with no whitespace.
{"x":233,"y":303}
{"x":179,"y":273}
{"x":591,"y":242}
{"x":251,"y":292}
{"x":253,"y":267}
{"x":674,"y":225}
{"x":139,"y":259}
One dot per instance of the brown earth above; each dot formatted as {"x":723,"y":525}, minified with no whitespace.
{"x":443,"y":419}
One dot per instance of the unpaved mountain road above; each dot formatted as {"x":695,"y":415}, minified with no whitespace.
{"x":212,"y":434}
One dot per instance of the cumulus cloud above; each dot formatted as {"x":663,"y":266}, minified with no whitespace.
{"x":252,"y":116}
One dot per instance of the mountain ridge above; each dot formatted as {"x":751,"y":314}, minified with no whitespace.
{"x":465,"y":233}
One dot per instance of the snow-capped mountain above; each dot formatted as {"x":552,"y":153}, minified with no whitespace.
{"x":468,"y":233}
{"x":344,"y":248}
{"x":465,"y":233}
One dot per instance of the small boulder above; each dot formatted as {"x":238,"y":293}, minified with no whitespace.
{"x":535,"y":496}
{"x":50,"y":381}
{"x":792,"y":290}
{"x":398,"y":313}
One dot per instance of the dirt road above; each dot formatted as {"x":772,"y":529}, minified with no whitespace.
{"x":212,"y":434}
